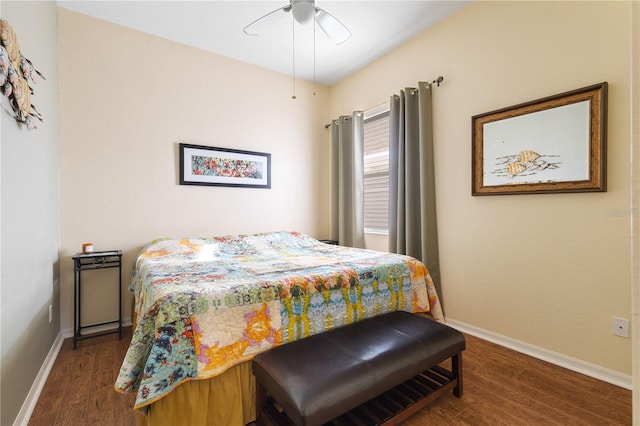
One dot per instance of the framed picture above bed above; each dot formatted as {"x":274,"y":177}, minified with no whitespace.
{"x":213,"y":166}
{"x":553,"y":144}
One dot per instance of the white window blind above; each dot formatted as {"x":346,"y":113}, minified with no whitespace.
{"x":376,"y":172}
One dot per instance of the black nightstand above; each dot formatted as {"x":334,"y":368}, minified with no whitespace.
{"x":89,"y":261}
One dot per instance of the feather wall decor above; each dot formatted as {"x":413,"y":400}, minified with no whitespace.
{"x":17,"y":77}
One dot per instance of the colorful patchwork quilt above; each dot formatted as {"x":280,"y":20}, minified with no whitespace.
{"x":204,"y":305}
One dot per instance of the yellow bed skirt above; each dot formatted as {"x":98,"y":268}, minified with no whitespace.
{"x":224,"y":400}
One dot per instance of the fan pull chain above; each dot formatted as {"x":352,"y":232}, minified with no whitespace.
{"x":293,"y":21}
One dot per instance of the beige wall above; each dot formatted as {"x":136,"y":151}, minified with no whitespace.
{"x":549,"y":270}
{"x":127,"y":99}
{"x":29,"y":216}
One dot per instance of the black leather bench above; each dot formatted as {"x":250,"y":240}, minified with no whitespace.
{"x":379,"y":370}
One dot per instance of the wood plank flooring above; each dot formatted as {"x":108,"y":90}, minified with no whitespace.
{"x":501,"y":387}
{"x":80,"y":387}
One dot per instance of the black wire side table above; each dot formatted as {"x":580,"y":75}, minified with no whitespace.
{"x":86,"y":262}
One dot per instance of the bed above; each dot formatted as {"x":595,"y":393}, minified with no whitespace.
{"x":204,"y":307}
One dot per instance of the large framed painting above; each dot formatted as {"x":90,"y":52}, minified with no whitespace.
{"x":207,"y":165}
{"x":553,"y":144}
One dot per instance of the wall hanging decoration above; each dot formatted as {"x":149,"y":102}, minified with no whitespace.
{"x":17,"y":74}
{"x":553,"y":144}
{"x":207,"y":165}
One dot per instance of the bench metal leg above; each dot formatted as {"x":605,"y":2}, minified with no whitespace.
{"x":456,"y":370}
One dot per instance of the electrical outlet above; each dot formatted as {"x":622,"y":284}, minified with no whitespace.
{"x":50,"y":313}
{"x":621,"y":327}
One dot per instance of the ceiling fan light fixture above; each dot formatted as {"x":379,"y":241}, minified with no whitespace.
{"x":303,"y":11}
{"x":333,"y":28}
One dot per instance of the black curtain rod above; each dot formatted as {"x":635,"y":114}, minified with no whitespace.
{"x":437,"y":82}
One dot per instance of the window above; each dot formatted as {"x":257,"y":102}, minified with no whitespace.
{"x":376,"y":170}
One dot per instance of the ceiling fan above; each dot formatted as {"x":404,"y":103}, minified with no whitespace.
{"x":303,"y":11}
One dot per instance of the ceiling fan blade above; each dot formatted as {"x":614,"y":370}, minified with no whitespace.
{"x":333,"y":28}
{"x":260,"y":24}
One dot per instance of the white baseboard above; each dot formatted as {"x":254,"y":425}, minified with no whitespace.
{"x":570,"y":363}
{"x":126,"y":322}
{"x":38,"y":384}
{"x":41,"y":378}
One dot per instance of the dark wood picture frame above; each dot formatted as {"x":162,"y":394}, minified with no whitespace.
{"x":549,"y":145}
{"x":214,"y":166}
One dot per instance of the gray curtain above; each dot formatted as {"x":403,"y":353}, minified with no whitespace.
{"x":347,"y":180}
{"x":412,"y":197}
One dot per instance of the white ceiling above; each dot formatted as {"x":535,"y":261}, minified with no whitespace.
{"x":216,"y":26}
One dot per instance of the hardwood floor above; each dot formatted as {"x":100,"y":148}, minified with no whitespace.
{"x":80,"y":387}
{"x":501,"y":387}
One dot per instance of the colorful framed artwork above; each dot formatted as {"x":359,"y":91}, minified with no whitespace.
{"x":554,"y":144}
{"x":206,"y":165}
